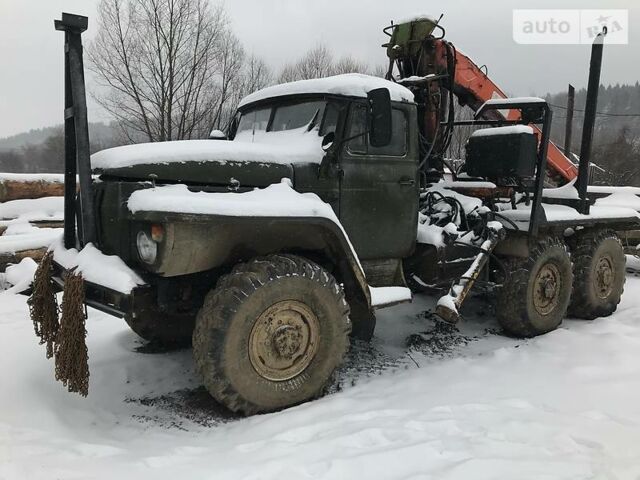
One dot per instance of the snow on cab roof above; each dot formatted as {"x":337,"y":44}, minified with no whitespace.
{"x":349,"y":84}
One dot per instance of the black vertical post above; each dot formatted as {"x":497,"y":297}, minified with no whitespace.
{"x":568,"y":132}
{"x":590,"y":119}
{"x":69,"y":157}
{"x":76,"y":133}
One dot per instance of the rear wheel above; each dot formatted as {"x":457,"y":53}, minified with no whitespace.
{"x":600,"y":275}
{"x":271,"y":334}
{"x":535,"y":297}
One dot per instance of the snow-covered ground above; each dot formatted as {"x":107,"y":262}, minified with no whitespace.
{"x":424,"y":401}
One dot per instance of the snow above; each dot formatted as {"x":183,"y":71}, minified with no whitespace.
{"x":22,"y":236}
{"x":275,"y":200}
{"x":621,"y":198}
{"x":633,"y":263}
{"x":279,"y":199}
{"x":220,"y":151}
{"x":627,"y":197}
{"x":561,"y":406}
{"x":610,"y":190}
{"x":350,"y":84}
{"x":430,"y":235}
{"x":46,"y":208}
{"x":96,"y":267}
{"x":20,"y":276}
{"x":381,"y":296}
{"x":566,"y":213}
{"x":32,"y":177}
{"x":567,"y":191}
{"x":468,"y":203}
{"x":416,"y":18}
{"x":509,"y":130}
{"x":506,"y":102}
{"x":414,"y":79}
{"x":464,"y":184}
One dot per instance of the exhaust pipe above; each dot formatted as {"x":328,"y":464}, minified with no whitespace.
{"x":76,"y":135}
{"x":595,"y":69}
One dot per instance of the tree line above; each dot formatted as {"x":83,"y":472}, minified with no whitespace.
{"x":616,"y":152}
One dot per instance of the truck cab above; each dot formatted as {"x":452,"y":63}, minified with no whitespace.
{"x":372,"y":189}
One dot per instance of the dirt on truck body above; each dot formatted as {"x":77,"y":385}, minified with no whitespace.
{"x":270,"y":249}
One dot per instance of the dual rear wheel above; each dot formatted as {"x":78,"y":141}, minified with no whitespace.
{"x":542,"y":289}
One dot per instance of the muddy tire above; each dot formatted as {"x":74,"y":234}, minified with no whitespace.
{"x":271,"y":334}
{"x":168,"y":331}
{"x":535,"y":297}
{"x":599,"y":265}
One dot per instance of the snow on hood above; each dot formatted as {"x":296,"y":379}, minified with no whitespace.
{"x":307,"y":148}
{"x":278,"y":200}
{"x":350,"y":84}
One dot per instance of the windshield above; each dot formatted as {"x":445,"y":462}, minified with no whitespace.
{"x":309,"y":116}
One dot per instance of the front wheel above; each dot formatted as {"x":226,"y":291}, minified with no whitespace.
{"x":271,"y":334}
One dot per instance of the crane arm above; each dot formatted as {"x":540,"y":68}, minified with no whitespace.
{"x":436,"y":72}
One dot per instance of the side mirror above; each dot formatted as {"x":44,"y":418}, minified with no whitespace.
{"x":328,"y":140}
{"x":379,"y":117}
{"x":217,"y":135}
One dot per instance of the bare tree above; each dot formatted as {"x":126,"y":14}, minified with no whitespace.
{"x":318,"y":62}
{"x":257,"y":75}
{"x":165,"y":68}
{"x":349,"y":64}
{"x":461,"y":134}
{"x":231,"y":62}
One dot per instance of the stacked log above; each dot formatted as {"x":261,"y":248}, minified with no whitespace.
{"x":23,"y":187}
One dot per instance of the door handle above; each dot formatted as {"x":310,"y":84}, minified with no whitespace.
{"x":407,"y":182}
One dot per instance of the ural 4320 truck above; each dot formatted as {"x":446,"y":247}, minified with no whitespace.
{"x":269,"y":250}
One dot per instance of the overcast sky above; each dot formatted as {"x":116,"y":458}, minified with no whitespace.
{"x":31,"y":78}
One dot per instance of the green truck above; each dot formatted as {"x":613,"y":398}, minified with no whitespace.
{"x":270,"y":249}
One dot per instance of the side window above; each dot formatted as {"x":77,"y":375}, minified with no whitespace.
{"x":360,"y":145}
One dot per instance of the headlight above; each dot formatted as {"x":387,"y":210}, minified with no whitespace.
{"x":147,"y":248}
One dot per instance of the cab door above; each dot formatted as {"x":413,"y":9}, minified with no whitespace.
{"x":379,"y":186}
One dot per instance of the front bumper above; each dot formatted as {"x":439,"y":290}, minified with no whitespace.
{"x":106,"y":299}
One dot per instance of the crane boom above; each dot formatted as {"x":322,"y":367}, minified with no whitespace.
{"x":437,"y":72}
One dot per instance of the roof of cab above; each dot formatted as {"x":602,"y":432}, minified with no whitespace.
{"x":350,"y":84}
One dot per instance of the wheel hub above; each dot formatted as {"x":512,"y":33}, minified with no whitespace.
{"x":283,"y":341}
{"x":604,"y":276}
{"x":546,"y":291}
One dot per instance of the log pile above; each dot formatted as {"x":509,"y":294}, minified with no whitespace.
{"x":20,"y":187}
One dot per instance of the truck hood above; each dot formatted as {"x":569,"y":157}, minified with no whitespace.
{"x":212,"y":162}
